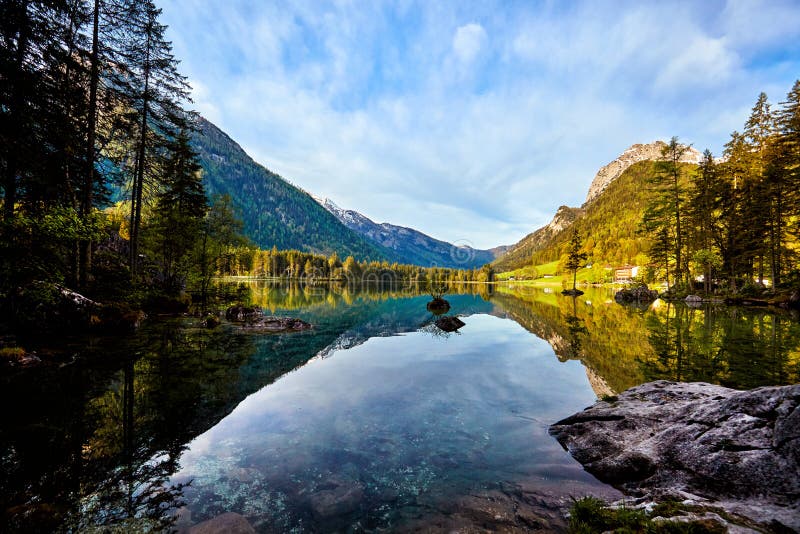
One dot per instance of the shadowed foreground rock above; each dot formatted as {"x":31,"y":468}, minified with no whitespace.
{"x":735,"y":450}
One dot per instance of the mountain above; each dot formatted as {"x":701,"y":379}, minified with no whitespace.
{"x":609,"y":219}
{"x":411,"y":246}
{"x":274,"y":212}
{"x":521,"y":253}
{"x":634,"y":154}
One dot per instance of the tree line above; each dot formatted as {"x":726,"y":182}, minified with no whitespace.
{"x":294,"y":264}
{"x":731,"y":222}
{"x":93,"y":114}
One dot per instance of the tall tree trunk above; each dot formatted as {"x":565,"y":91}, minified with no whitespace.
{"x":85,"y":261}
{"x":17,"y":98}
{"x":138,"y":182}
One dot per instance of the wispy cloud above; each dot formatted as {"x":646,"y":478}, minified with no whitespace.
{"x":475,"y":121}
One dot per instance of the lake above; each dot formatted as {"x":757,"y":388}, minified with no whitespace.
{"x":373,"y":420}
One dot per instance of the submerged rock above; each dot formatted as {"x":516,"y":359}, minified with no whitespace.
{"x":637,"y":294}
{"x":336,"y":496}
{"x":572,"y":292}
{"x":449,"y":324}
{"x":227,"y":523}
{"x":735,"y":450}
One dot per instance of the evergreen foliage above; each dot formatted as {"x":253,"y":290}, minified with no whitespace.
{"x":91,"y":99}
{"x":730,"y":223}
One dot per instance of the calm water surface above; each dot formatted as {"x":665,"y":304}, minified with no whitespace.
{"x":375,"y":419}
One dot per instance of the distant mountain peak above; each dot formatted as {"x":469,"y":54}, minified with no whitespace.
{"x":412,"y":246}
{"x":633,"y":154}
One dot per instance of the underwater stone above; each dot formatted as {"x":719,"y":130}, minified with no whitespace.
{"x":227,"y":523}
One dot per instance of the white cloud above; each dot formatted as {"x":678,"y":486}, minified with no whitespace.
{"x":705,"y":62}
{"x":468,"y":41}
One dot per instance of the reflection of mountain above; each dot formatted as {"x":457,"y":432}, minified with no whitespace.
{"x":93,"y":444}
{"x":623,"y":346}
{"x":401,"y":316}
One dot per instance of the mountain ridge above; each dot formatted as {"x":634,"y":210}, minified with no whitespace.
{"x":607,"y":220}
{"x":411,"y":245}
{"x":274,"y":211}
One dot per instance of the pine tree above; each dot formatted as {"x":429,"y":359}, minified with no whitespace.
{"x":575,"y":258}
{"x":180,"y":208}
{"x":703,"y":214}
{"x":786,"y":171}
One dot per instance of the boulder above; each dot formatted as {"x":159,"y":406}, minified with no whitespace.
{"x":243,"y":314}
{"x":637,"y":294}
{"x":572,"y":292}
{"x":211,"y":321}
{"x":694,"y":301}
{"x":276,"y":324}
{"x":42,"y":307}
{"x":735,"y":450}
{"x":227,"y":523}
{"x":449,"y":324}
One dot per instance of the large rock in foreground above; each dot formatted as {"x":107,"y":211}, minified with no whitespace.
{"x":736,"y":450}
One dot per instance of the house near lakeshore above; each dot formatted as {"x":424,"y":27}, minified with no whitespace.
{"x":625,"y":273}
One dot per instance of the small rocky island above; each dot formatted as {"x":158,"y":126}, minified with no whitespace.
{"x":732,"y":451}
{"x":252,"y":319}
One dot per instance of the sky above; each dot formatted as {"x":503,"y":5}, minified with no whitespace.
{"x":474,"y":121}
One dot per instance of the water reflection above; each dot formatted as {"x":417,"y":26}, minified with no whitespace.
{"x":99,"y":442}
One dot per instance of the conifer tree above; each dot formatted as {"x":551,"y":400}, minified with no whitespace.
{"x":575,"y":257}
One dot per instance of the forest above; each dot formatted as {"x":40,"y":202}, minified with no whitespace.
{"x":92,"y":105}
{"x":731,"y":222}
{"x":102,"y":184}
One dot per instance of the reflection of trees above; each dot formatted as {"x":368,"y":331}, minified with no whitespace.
{"x":605,"y":337}
{"x":115,"y":430}
{"x":735,"y":347}
{"x":626,"y":346}
{"x":277,"y":296}
{"x":96,"y":443}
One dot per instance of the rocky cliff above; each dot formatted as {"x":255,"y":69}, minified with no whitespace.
{"x":634,"y":154}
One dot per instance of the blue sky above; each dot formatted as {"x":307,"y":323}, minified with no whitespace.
{"x":473,"y":122}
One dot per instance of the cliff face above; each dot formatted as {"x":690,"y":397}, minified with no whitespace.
{"x":634,"y":154}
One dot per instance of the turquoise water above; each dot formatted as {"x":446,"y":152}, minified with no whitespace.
{"x":389,"y":427}
{"x":374,"y":420}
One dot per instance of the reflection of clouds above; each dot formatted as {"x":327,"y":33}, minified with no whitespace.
{"x":408,"y":384}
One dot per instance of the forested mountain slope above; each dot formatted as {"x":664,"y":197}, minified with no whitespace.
{"x":609,"y":219}
{"x":412,"y":246}
{"x":608,"y":225}
{"x":274,"y":212}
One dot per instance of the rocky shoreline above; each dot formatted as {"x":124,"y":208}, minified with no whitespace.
{"x":710,"y":446}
